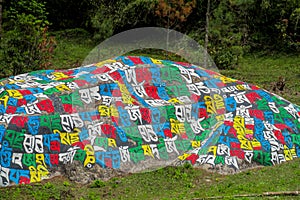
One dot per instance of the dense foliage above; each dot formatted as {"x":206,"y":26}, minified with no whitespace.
{"x":235,"y":26}
{"x":25,"y":44}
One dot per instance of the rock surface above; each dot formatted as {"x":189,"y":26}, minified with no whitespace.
{"x":132,"y":114}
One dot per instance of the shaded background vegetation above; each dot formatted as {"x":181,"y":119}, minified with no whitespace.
{"x":54,"y":34}
{"x":31,"y":28}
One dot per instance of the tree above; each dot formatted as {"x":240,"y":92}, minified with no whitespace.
{"x":274,"y":25}
{"x":112,"y":17}
{"x":206,"y":34}
{"x":229,"y":31}
{"x":71,"y":14}
{"x":174,"y":13}
{"x":25,"y":44}
{"x":1,"y":2}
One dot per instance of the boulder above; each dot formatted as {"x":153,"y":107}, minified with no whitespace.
{"x":131,"y":114}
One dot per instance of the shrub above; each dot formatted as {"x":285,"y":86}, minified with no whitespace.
{"x":25,"y":44}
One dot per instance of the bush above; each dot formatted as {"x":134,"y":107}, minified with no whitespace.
{"x":227,"y":58}
{"x":112,"y":17}
{"x":25,"y":44}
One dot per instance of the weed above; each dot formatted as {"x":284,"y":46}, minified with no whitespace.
{"x":190,"y":185}
{"x":93,"y":196}
{"x":97,"y":184}
{"x":187,"y":165}
{"x":17,"y":193}
{"x":37,"y":194}
{"x":66,"y":183}
{"x":48,"y":185}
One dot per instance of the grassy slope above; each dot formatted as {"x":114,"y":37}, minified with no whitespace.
{"x":267,"y":70}
{"x":168,"y":183}
{"x":180,"y":182}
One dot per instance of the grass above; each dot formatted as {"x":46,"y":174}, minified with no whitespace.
{"x":264,"y":71}
{"x":182,"y":182}
{"x":71,"y":48}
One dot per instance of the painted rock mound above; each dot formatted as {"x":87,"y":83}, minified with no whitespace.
{"x":137,"y":113}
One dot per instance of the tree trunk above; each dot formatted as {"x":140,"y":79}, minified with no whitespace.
{"x":1,"y":2}
{"x":206,"y":34}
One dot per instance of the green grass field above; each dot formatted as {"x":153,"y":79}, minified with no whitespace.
{"x":183,"y":182}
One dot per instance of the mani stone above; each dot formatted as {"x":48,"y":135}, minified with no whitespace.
{"x":132,"y":114}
